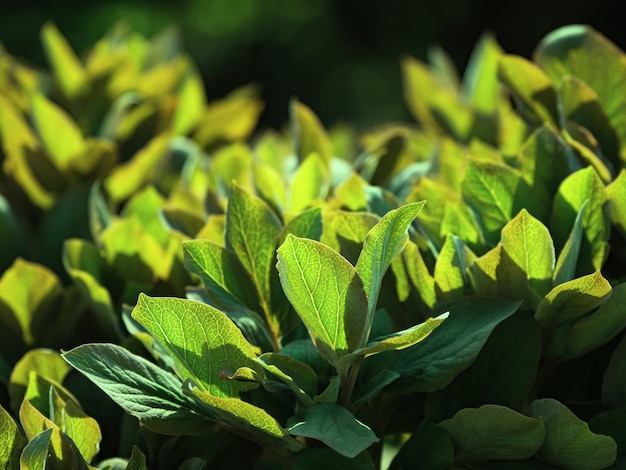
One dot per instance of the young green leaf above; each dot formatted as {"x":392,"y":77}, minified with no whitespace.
{"x":567,"y":261}
{"x":616,"y":191}
{"x":35,"y":454}
{"x":528,"y":244}
{"x":569,"y":443}
{"x":571,"y":300}
{"x":68,"y":71}
{"x":252,"y":231}
{"x":307,"y":224}
{"x":187,"y":330}
{"x":383,"y":243}
{"x":451,"y":269}
{"x":327,"y":293}
{"x":336,"y":427}
{"x":60,"y":135}
{"x":310,"y":183}
{"x":480,"y":82}
{"x":493,"y":432}
{"x":142,"y":389}
{"x":298,"y":376}
{"x":580,"y":51}
{"x":12,"y":439}
{"x":490,"y":189}
{"x":310,"y":135}
{"x":220,"y":271}
{"x":419,"y":275}
{"x":584,"y":185}
{"x":269,"y":185}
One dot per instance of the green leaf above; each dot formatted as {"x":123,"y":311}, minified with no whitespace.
{"x":574,"y":191}
{"x":221,"y":273}
{"x":35,"y":454}
{"x":327,"y":293}
{"x":493,"y":432}
{"x":269,"y":186}
{"x":187,"y":329}
{"x":60,"y":135}
{"x":571,"y":300}
{"x":298,"y":376}
{"x":142,"y":389}
{"x":45,"y":362}
{"x":614,"y":383}
{"x":137,"y":460}
{"x":580,"y":51}
{"x":254,"y":422}
{"x":11,"y":235}
{"x":130,"y":176}
{"x":569,"y":443}
{"x":480,"y":82}
{"x":68,"y":71}
{"x":531,"y":86}
{"x":383,"y":243}
{"x":310,"y":136}
{"x":504,"y":373}
{"x":490,"y":189}
{"x":13,"y":441}
{"x":528,"y":244}
{"x":310,"y":183}
{"x":336,"y":427}
{"x":28,"y":292}
{"x":430,"y":445}
{"x":252,"y":232}
{"x":453,"y":346}
{"x":616,"y":191}
{"x":307,"y":224}
{"x":591,"y":331}
{"x":450,"y":269}
{"x":419,"y":275}
{"x":567,"y":261}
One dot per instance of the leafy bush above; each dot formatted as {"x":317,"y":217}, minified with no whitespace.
{"x":439,"y":295}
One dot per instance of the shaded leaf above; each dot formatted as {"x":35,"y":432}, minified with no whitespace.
{"x":336,"y":427}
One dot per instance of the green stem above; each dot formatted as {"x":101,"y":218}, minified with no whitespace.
{"x":348,"y":382}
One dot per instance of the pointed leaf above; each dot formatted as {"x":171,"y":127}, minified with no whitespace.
{"x":298,"y":376}
{"x":574,"y":191}
{"x":310,"y":183}
{"x":567,"y":261}
{"x":307,"y":224}
{"x":569,"y":443}
{"x":383,"y":243}
{"x":60,"y":135}
{"x":451,"y":269}
{"x":68,"y":71}
{"x":13,"y":441}
{"x":480,"y":82}
{"x":327,"y":293}
{"x":142,"y":389}
{"x":493,"y":432}
{"x":528,"y":244}
{"x":220,"y":271}
{"x":336,"y":427}
{"x":490,"y":188}
{"x":252,"y":232}
{"x":202,"y":340}
{"x":310,"y":135}
{"x":35,"y":454}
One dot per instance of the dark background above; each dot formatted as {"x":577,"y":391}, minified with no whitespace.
{"x":339,"y":57}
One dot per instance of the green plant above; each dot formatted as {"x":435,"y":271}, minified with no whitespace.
{"x":443,"y":297}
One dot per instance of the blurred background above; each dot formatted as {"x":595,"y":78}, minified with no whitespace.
{"x":340,"y":57}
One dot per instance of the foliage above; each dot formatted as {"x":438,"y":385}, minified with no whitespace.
{"x":175,"y":288}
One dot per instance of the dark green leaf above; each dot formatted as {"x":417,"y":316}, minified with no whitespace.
{"x":433,"y":363}
{"x":430,"y":445}
{"x":569,"y":443}
{"x":35,"y":454}
{"x":336,"y":427}
{"x":614,"y":384}
{"x":142,"y":389}
{"x":493,"y":432}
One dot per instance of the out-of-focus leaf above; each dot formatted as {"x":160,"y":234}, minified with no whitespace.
{"x":310,"y":183}
{"x":67,"y":68}
{"x":614,"y":383}
{"x":310,"y":135}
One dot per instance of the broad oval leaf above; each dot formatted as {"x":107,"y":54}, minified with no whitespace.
{"x":202,"y":341}
{"x":327,"y":293}
{"x":569,"y":442}
{"x":12,"y":439}
{"x":35,"y":454}
{"x":493,"y":432}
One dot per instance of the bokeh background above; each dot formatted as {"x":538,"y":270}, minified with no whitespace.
{"x":341,"y":57}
